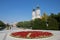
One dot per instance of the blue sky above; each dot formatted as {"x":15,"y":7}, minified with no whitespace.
{"x":21,"y":10}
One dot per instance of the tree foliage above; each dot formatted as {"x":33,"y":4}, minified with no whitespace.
{"x":52,"y":24}
{"x":56,"y":17}
{"x":2,"y":25}
{"x":25,"y":24}
{"x":39,"y":24}
{"x":19,"y":24}
{"x":44,"y":17}
{"x":52,"y":20}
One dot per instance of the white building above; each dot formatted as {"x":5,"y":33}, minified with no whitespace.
{"x":36,"y":13}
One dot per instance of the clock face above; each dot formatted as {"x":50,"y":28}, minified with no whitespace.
{"x":31,"y":34}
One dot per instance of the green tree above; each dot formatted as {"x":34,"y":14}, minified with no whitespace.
{"x":25,"y":24}
{"x":52,"y":15}
{"x":52,"y":24}
{"x":39,"y":24}
{"x":58,"y":19}
{"x":19,"y":24}
{"x":36,"y":24}
{"x":44,"y":17}
{"x":43,"y":25}
{"x":2,"y":25}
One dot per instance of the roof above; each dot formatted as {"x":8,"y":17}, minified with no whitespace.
{"x":37,"y":7}
{"x":33,"y":9}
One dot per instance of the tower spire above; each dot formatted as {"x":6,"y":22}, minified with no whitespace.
{"x":33,"y":14}
{"x":36,"y":12}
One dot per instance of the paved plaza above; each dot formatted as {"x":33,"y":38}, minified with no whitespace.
{"x":5,"y":34}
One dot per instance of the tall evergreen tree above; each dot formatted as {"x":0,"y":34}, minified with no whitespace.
{"x":44,"y":17}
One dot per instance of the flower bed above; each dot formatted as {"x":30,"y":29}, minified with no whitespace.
{"x":31,"y":34}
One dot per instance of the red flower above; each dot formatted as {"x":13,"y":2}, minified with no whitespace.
{"x":33,"y":34}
